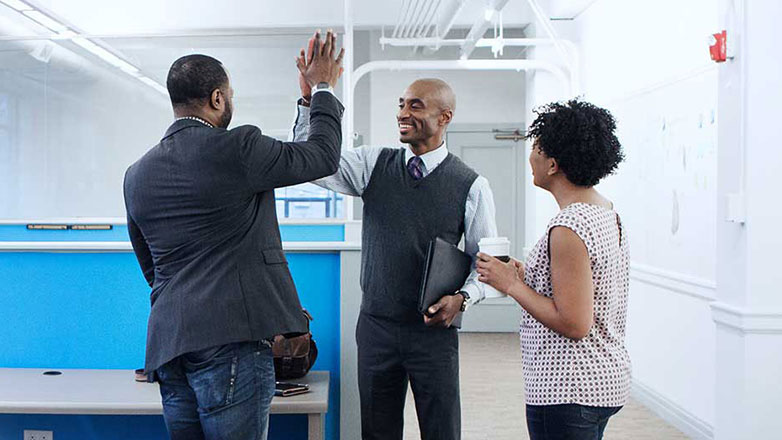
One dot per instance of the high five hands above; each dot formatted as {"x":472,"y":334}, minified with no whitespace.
{"x":318,"y":64}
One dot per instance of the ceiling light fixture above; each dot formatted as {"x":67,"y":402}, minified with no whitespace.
{"x":46,"y":21}
{"x":105,"y":55}
{"x":64,"y":33}
{"x":17,"y":4}
{"x":154,"y":84}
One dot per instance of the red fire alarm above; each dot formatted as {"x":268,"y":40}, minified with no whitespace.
{"x":718,"y":47}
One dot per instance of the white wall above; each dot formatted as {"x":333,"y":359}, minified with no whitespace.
{"x":482,"y":97}
{"x":748,"y":310}
{"x":648,"y":63}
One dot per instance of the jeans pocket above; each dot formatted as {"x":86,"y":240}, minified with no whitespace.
{"x":592,"y":414}
{"x":213,"y":380}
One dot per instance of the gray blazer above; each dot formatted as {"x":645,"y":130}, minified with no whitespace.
{"x":203,"y":224}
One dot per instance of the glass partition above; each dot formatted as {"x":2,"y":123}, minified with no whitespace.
{"x":75,"y":112}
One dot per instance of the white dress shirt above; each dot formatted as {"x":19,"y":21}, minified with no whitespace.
{"x":355,"y":170}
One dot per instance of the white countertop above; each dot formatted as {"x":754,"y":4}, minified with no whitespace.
{"x":29,"y":391}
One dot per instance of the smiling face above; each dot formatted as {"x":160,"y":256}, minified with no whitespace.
{"x":425,"y":109}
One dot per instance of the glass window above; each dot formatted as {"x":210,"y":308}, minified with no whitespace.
{"x":309,"y":201}
{"x":72,"y":118}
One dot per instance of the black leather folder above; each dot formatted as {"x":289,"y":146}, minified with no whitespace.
{"x":447,"y":268}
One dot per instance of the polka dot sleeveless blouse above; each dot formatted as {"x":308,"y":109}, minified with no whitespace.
{"x":594,"y":371}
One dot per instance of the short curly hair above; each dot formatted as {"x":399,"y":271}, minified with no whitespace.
{"x":580,"y":136}
{"x":192,"y":79}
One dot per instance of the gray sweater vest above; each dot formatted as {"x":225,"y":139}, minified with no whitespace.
{"x":401,"y":217}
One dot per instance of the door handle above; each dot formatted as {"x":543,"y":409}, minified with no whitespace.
{"x":507,"y":135}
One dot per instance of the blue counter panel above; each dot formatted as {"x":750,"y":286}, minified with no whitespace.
{"x":312,"y":232}
{"x":125,"y":428}
{"x":72,"y":310}
{"x":89,"y":310}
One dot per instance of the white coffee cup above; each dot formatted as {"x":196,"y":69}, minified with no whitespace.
{"x":498,"y":247}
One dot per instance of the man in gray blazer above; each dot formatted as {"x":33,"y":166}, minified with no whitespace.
{"x":203,"y":224}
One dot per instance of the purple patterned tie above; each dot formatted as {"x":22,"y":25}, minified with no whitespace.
{"x":414,"y":168}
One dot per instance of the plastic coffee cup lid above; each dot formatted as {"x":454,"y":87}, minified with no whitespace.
{"x":488,"y":241}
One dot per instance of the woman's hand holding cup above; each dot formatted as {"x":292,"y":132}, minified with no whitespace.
{"x":498,"y":248}
{"x":498,"y":274}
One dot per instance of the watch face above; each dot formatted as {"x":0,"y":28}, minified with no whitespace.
{"x":322,"y":85}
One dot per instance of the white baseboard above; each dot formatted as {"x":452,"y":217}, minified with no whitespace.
{"x":672,"y":413}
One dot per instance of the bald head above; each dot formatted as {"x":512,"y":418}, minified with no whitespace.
{"x":425,"y":110}
{"x":437,"y":91}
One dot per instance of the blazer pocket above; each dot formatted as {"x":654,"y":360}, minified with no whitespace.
{"x":274,"y":256}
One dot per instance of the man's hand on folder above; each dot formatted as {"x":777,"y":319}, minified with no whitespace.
{"x":443,"y":312}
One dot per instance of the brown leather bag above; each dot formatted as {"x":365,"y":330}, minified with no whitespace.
{"x":294,"y":356}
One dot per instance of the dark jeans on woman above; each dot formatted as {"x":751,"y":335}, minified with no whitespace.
{"x":222,"y":392}
{"x":567,"y":422}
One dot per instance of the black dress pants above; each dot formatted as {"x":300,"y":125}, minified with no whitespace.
{"x":392,"y":353}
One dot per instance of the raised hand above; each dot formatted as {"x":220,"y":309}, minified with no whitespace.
{"x":318,"y":64}
{"x":306,"y":89}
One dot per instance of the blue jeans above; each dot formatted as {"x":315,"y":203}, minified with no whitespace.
{"x":567,"y":422}
{"x":221,"y":392}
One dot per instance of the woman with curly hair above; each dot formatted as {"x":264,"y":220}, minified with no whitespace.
{"x":573,"y":287}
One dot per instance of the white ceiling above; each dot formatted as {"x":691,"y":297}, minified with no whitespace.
{"x":161,"y":16}
{"x":262,"y":68}
{"x":122,"y":17}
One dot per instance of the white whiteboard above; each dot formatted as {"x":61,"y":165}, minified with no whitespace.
{"x":666,"y":190}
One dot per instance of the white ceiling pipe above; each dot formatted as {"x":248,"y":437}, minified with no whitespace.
{"x":442,"y":22}
{"x":432,"y":22}
{"x":420,"y":19}
{"x":496,"y":65}
{"x":448,"y":17}
{"x":425,"y":41}
{"x":483,"y":42}
{"x":402,"y":17}
{"x":405,"y":19}
{"x":414,"y":17}
{"x":571,"y":50}
{"x":543,"y":20}
{"x":481,"y":25}
{"x":490,"y":42}
{"x":428,"y":18}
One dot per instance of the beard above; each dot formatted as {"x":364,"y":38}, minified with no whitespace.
{"x":228,"y":113}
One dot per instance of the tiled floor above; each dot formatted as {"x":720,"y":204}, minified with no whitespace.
{"x":493,"y":397}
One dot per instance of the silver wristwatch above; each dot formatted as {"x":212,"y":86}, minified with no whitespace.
{"x":466,"y":301}
{"x":323,"y":85}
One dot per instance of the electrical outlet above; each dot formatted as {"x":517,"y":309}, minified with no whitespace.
{"x":38,"y":435}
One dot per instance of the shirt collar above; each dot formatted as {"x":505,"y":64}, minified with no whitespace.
{"x":430,"y":159}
